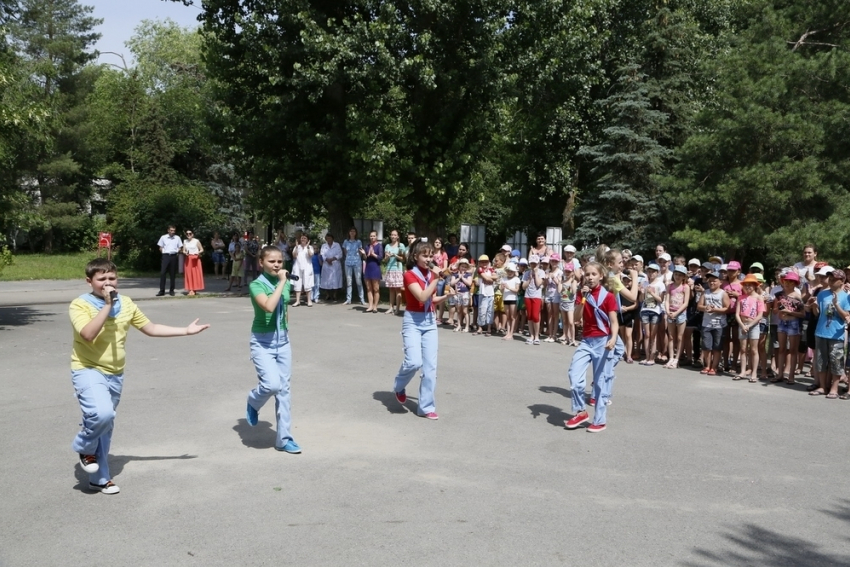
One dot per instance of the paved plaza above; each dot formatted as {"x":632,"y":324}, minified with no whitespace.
{"x":692,"y":470}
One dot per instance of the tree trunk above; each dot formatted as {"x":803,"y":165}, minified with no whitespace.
{"x":339,"y":221}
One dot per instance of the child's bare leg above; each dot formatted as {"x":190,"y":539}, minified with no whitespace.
{"x":762,"y":344}
{"x":792,"y":364}
{"x":571,"y":326}
{"x":782,"y":356}
{"x":754,"y":359}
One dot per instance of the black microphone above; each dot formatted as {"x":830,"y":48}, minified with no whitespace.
{"x":113,"y":295}
{"x":293,"y":278}
{"x":431,"y":265}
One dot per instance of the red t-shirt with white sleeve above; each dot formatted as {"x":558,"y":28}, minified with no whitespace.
{"x":590,"y":328}
{"x":413,"y":304}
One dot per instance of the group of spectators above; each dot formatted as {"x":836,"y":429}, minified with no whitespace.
{"x":712,"y":315}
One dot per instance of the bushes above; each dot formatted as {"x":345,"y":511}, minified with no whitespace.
{"x":140,"y":212}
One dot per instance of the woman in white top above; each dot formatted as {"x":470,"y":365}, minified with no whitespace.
{"x":193,"y":278}
{"x":302,"y":266}
{"x":806,"y":268}
{"x":332,"y":267}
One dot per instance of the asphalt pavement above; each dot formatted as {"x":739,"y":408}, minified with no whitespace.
{"x":692,"y":470}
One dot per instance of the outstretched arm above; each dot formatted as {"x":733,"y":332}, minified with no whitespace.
{"x":157,"y":330}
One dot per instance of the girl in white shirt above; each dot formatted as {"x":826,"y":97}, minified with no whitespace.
{"x":510,"y":288}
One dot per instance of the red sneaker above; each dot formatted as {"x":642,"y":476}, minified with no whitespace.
{"x":401,"y":397}
{"x":593,"y":428}
{"x":577,"y":419}
{"x":593,"y":401}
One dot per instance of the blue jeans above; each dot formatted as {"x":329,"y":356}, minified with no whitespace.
{"x":272,"y":357}
{"x":353,"y":274}
{"x":419,"y":332}
{"x":98,"y":395}
{"x":592,"y":351}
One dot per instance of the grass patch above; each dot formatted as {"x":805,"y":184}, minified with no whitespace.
{"x":58,"y":267}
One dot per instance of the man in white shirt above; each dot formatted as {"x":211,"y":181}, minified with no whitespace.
{"x":169,"y":244}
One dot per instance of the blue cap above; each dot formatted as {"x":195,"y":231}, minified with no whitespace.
{"x":516,"y":253}
{"x":653,"y":266}
{"x":681,"y":270}
{"x":712,"y":275}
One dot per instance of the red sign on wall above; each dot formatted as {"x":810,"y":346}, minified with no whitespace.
{"x":104,"y":240}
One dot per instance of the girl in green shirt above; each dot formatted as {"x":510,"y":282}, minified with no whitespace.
{"x":271,"y":352}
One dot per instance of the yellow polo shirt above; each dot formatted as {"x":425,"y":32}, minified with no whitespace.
{"x":106,"y":352}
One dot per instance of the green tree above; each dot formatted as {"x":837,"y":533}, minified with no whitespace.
{"x":140,"y":210}
{"x":767,"y":165}
{"x":52,"y":38}
{"x":622,"y":206}
{"x":329,"y":103}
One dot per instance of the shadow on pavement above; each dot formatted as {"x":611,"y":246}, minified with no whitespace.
{"x":20,"y":316}
{"x":554,"y":416}
{"x":260,"y":436}
{"x":116,"y":465}
{"x":556,"y":390}
{"x":753,"y":545}
{"x":392,"y":405}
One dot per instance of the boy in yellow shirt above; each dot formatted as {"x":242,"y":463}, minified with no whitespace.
{"x":101,"y":320}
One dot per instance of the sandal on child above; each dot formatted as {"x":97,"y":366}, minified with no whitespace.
{"x":753,"y":380}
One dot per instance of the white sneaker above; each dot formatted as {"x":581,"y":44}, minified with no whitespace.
{"x":108,"y":488}
{"x":89,"y":463}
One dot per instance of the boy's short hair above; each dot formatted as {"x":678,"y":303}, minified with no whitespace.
{"x":100,"y":266}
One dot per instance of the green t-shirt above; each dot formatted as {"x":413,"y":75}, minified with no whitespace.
{"x":394,"y":264}
{"x":263,"y":321}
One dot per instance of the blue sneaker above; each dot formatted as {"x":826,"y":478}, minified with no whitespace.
{"x":290,"y":447}
{"x":252,"y":416}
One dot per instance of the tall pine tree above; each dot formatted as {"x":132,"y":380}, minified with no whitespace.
{"x":621,"y":206}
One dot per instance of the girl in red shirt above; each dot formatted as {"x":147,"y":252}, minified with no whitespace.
{"x":419,"y":327}
{"x":599,"y":337}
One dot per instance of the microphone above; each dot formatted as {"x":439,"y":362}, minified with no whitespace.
{"x":113,"y":295}
{"x":292,"y":278}
{"x":431,"y":265}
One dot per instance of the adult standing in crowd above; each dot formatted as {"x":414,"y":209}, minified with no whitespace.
{"x":218,"y":257}
{"x":353,"y":253}
{"x":302,"y":266}
{"x":193,"y":277}
{"x":251,"y":249}
{"x":170,"y":245}
{"x":540,"y":249}
{"x":231,"y":249}
{"x":331,"y":253}
{"x":462,"y":252}
{"x":372,"y":272}
{"x":451,"y":246}
{"x":394,"y":256}
{"x":806,"y":268}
